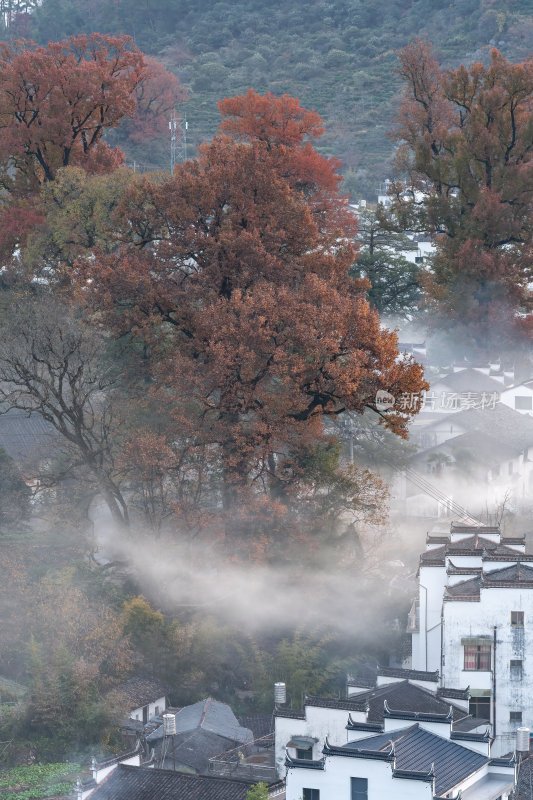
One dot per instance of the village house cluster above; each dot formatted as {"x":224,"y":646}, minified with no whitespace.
{"x":452,"y":722}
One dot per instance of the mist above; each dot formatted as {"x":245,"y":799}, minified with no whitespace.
{"x":332,"y":594}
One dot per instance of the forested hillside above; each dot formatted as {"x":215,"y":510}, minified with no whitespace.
{"x":338,"y":57}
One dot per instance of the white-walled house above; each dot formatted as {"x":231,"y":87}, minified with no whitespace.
{"x":141,"y":698}
{"x":519,"y":397}
{"x":408,"y":760}
{"x":470,"y":622}
{"x":491,"y":446}
{"x":397,"y":694}
{"x":100,"y":770}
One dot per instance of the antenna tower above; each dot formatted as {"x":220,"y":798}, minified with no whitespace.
{"x":178,"y":139}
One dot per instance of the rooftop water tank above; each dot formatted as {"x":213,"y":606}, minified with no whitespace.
{"x":280,"y":693}
{"x":169,"y":724}
{"x":522,"y":740}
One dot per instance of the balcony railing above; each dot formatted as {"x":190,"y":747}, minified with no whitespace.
{"x":253,"y":761}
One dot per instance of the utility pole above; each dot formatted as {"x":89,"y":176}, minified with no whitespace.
{"x":178,"y":141}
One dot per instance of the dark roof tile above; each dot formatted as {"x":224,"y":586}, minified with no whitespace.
{"x":289,"y":713}
{"x":516,"y":574}
{"x":405,"y":696}
{"x":454,"y":694}
{"x":346,"y":704}
{"x":465,"y":590}
{"x":409,"y":674}
{"x":415,"y":750}
{"x":125,"y":783}
{"x":137,"y":692}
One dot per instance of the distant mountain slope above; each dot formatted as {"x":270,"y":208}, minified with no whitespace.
{"x":338,"y":57}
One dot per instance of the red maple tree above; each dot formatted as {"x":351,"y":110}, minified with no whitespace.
{"x":56,"y":103}
{"x":235,"y":271}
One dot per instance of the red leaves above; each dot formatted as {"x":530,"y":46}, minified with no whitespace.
{"x":241,"y":284}
{"x":284,"y":128}
{"x":270,"y":119}
{"x":57,"y":101}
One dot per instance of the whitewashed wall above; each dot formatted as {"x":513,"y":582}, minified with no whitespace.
{"x":463,"y":620}
{"x":334,"y":781}
{"x":154,"y":709}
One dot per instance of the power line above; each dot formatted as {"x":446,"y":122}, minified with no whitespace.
{"x":439,"y":496}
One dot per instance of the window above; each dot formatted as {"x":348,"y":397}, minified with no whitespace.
{"x":515,"y":716}
{"x":477,"y":657}
{"x":305,"y":753}
{"x":156,"y":711}
{"x":479,"y":707}
{"x":523,"y":403}
{"x":516,"y":670}
{"x":517,"y":619}
{"x":359,"y":788}
{"x":311,"y":794}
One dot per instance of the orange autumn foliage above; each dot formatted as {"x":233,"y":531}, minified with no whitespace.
{"x":57,"y":102}
{"x":235,"y":270}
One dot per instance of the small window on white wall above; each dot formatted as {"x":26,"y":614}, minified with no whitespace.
{"x":523,"y":403}
{"x":359,"y":788}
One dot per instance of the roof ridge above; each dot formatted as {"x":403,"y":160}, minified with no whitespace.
{"x":207,"y":702}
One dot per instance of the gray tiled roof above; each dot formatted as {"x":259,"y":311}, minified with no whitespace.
{"x":486,"y":450}
{"x":470,"y":380}
{"x":436,"y":556}
{"x":453,"y":694}
{"x":261,"y":725}
{"x":413,"y":674}
{"x":458,"y":527}
{"x":501,"y":422}
{"x":137,"y":692}
{"x":474,"y":544}
{"x":211,"y":716}
{"x":404,"y":696}
{"x":465,"y":588}
{"x":515,"y":575}
{"x":290,"y":713}
{"x":24,"y":437}
{"x":415,"y":750}
{"x":470,"y":723}
{"x":346,"y":704}
{"x":138,"y":783}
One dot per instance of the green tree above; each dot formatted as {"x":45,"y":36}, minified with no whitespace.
{"x":78,"y":215}
{"x":395,"y":281}
{"x":395,"y":289}
{"x":259,"y":791}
